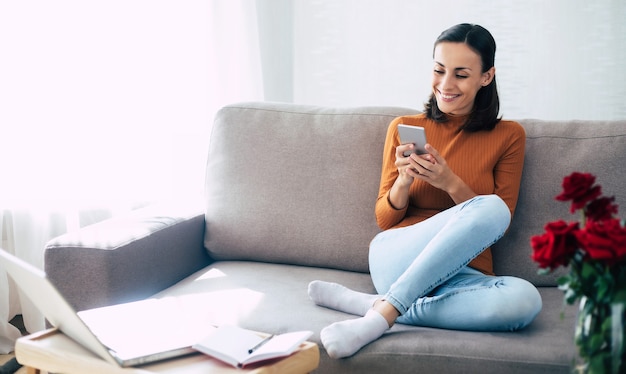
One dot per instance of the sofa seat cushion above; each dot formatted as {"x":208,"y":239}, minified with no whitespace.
{"x":273,"y":298}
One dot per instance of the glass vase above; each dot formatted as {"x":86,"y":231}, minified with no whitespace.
{"x":600,"y":337}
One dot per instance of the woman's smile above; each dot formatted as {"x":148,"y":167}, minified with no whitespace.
{"x":447,"y":97}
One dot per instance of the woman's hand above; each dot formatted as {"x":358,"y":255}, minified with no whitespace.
{"x":406,"y":165}
{"x":430,"y":168}
{"x":407,"y":172}
{"x":433,"y":169}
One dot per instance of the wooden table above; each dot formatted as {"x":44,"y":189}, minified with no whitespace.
{"x":52,"y":351}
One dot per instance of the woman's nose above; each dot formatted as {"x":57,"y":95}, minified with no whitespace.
{"x":447,"y":81}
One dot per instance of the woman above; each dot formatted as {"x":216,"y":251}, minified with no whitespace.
{"x":441,"y":211}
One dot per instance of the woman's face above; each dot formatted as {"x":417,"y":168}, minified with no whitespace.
{"x":457,"y":77}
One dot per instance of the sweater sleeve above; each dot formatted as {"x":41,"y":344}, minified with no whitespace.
{"x":386,"y":215}
{"x":508,"y":169}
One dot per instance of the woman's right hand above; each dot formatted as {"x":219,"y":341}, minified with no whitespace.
{"x":403,"y":163}
{"x":409,"y":168}
{"x":407,"y":171}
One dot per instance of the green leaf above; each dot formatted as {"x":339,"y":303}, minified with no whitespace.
{"x":597,"y":364}
{"x":602,"y":288}
{"x":570,"y":296}
{"x":588,"y":271}
{"x":620,"y":296}
{"x":607,"y":325}
{"x":563,"y":280}
{"x":544,"y":271}
{"x":595,"y":342}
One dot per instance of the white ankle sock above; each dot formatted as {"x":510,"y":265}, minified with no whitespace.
{"x":343,"y":339}
{"x":338,"y":297}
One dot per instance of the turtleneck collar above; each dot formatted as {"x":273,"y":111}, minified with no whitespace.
{"x":456,"y":121}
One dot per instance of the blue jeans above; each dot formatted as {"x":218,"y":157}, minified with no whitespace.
{"x":422,"y":271}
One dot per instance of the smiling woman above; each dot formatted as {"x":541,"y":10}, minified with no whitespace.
{"x":458,"y":76}
{"x":464,"y":77}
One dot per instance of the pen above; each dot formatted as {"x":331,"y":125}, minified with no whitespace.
{"x":261,"y":343}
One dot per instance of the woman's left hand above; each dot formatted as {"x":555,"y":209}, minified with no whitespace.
{"x":433,"y":169}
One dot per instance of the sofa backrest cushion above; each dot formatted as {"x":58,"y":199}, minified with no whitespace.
{"x":555,"y":149}
{"x":295,"y":184}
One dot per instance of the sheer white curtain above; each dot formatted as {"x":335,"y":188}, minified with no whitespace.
{"x":105,"y":106}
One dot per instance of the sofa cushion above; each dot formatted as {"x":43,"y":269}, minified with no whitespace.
{"x":273,"y":298}
{"x":269,"y":199}
{"x":295,"y":184}
{"x":555,"y":149}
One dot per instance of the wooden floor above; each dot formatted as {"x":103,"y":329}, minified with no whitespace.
{"x":17,"y":321}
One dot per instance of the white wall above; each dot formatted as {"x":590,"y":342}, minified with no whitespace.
{"x":558,"y":59}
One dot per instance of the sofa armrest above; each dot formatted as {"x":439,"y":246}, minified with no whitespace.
{"x":127,"y":258}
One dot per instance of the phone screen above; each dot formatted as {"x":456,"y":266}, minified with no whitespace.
{"x":415,"y":135}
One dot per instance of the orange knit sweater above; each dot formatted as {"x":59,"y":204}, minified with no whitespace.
{"x":490,"y":162}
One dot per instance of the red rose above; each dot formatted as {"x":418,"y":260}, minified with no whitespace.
{"x":557,"y":246}
{"x":603,"y":240}
{"x":578,"y":187}
{"x":601,"y":209}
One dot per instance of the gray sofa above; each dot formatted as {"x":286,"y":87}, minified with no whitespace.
{"x":290,"y":194}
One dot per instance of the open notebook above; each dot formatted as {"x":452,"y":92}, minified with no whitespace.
{"x":126,"y":334}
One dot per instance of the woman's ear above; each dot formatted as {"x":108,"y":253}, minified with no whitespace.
{"x":488,"y":76}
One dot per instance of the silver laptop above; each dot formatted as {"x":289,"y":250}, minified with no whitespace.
{"x":128,"y":334}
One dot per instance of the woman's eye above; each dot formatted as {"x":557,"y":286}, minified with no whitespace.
{"x":439,"y":72}
{"x":462,"y":76}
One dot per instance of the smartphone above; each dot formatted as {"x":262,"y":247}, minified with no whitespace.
{"x":415,"y":135}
